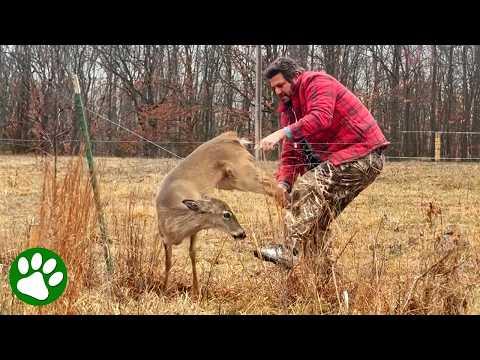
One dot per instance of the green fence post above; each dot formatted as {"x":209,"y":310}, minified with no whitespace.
{"x":80,"y":113}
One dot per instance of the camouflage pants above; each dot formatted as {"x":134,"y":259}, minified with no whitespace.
{"x":322,"y":193}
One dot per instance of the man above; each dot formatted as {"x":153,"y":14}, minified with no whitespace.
{"x":332,"y":150}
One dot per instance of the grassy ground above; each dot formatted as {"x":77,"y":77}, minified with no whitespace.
{"x":408,"y":244}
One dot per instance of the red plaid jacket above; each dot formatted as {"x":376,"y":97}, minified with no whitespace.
{"x":326,"y":122}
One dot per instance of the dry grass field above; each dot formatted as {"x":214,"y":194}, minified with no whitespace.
{"x":409,"y":244}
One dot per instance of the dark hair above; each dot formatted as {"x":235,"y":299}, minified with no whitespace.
{"x":284,"y":65}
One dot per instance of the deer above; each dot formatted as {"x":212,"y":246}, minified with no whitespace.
{"x":183,"y":205}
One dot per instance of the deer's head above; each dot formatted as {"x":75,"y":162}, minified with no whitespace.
{"x":217,"y":215}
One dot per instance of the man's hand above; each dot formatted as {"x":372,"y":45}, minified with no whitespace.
{"x":271,"y":140}
{"x":282,"y":196}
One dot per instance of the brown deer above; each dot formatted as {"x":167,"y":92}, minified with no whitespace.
{"x":183,"y":209}
{"x":179,"y":224}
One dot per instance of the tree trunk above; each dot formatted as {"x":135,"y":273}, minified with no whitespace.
{"x":299,"y":53}
{"x":475,"y":153}
{"x":395,"y":101}
{"x":448,"y":114}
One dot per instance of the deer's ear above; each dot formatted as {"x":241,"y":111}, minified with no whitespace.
{"x":191,"y":204}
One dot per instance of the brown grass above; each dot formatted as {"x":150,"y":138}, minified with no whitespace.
{"x":409,"y":244}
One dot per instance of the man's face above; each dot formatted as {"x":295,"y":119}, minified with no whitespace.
{"x":282,"y":87}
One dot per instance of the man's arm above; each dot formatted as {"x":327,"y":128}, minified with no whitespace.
{"x":288,"y":169}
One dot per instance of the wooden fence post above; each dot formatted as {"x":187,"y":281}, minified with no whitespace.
{"x":438,"y":146}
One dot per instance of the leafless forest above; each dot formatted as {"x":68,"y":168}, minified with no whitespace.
{"x":178,"y":95}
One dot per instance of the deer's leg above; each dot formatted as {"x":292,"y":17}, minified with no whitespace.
{"x":193,"y":238}
{"x":168,"y":263}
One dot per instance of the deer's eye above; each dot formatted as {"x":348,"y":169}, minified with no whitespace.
{"x":227,"y":215}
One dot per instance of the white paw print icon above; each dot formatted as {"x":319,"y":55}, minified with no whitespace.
{"x":34,"y":285}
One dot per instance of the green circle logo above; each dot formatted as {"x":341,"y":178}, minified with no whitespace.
{"x":38,"y":276}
